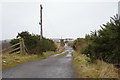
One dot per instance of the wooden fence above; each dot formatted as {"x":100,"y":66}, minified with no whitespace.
{"x":20,"y":50}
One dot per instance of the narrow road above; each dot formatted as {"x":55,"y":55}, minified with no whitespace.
{"x":51,"y":67}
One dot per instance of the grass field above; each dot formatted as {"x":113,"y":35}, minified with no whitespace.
{"x":98,"y":69}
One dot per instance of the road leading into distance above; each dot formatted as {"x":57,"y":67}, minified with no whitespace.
{"x":51,"y":67}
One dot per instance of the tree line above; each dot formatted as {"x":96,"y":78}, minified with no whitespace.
{"x":103,"y":44}
{"x":34,"y":44}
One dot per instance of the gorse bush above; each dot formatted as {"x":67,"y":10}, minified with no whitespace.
{"x":34,"y":44}
{"x":104,"y":44}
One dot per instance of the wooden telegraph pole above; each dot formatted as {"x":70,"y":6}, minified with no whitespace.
{"x":119,"y":9}
{"x":40,"y":23}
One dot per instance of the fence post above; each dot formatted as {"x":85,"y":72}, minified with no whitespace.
{"x":22,"y":46}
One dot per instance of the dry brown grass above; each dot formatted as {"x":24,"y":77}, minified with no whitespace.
{"x":99,"y":69}
{"x":10,"y":60}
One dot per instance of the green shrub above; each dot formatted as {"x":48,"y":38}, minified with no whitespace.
{"x":34,"y":44}
{"x":104,"y":44}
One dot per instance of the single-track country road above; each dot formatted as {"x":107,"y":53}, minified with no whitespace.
{"x":51,"y":67}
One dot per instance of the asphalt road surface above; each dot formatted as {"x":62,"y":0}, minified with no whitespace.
{"x":51,"y":67}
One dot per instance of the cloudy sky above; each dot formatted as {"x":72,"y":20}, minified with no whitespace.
{"x":66,"y":19}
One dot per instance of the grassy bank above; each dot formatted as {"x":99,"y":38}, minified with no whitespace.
{"x":10,"y":60}
{"x":64,"y":54}
{"x":98,"y":69}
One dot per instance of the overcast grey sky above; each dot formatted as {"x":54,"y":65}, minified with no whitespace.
{"x":64,"y":19}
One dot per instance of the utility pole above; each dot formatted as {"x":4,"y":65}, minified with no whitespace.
{"x":40,"y":23}
{"x":119,"y":9}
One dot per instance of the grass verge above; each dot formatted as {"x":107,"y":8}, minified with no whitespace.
{"x":98,"y":69}
{"x":10,"y":60}
{"x":64,"y":54}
